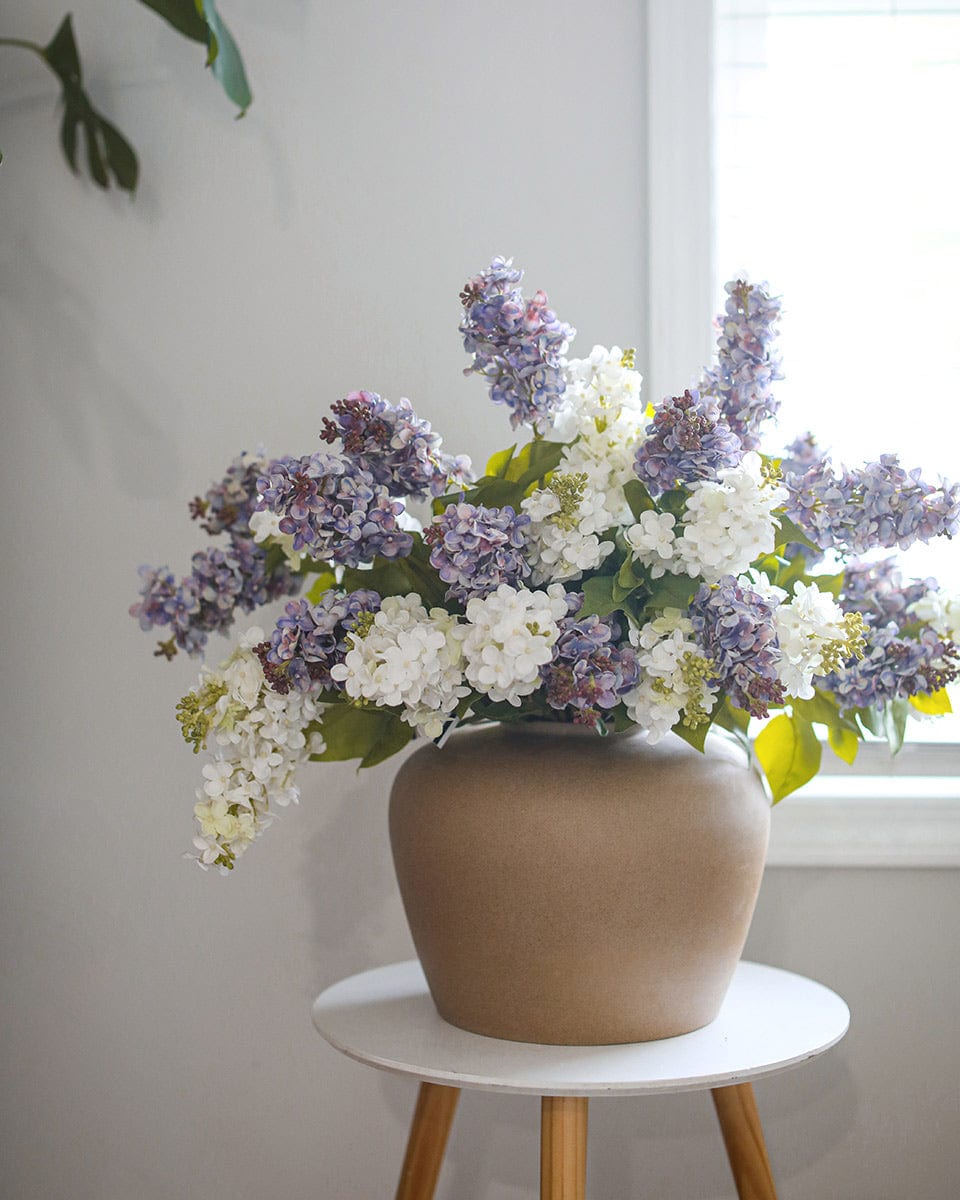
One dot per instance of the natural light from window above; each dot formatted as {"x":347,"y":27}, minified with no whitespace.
{"x":837,"y":181}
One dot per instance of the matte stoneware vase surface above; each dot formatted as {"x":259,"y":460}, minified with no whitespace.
{"x":570,"y":889}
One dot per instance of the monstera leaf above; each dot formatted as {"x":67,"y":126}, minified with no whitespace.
{"x":200,"y":21}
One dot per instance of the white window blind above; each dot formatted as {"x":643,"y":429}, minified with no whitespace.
{"x":837,"y":179}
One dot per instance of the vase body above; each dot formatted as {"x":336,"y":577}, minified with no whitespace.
{"x":569,"y":889}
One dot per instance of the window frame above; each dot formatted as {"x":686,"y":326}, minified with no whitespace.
{"x":834,"y":827}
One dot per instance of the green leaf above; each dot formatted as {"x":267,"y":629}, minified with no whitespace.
{"x":672,"y":591}
{"x":895,"y":716}
{"x":598,"y":595}
{"x":934,"y":704}
{"x":827,"y":583}
{"x":824,"y":710}
{"x":183,"y":16}
{"x":789,"y":752}
{"x":843,"y":743}
{"x":121,"y":158}
{"x":370,"y":734}
{"x":695,"y":737}
{"x":226,"y":63}
{"x":62,"y":54}
{"x":108,"y":153}
{"x":200,"y":21}
{"x":637,"y":496}
{"x":323,"y":582}
{"x":732,"y":717}
{"x":497,"y":466}
{"x":790,"y":531}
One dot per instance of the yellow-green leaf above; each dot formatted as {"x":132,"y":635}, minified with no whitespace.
{"x":843,"y":743}
{"x":499,"y":462}
{"x":934,"y":704}
{"x":789,"y":752}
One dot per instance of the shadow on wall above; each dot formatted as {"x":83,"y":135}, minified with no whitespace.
{"x":100,"y":393}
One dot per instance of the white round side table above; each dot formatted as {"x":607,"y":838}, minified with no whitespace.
{"x":770,"y":1020}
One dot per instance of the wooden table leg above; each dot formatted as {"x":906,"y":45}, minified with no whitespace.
{"x":429,"y":1131}
{"x":563,"y":1147}
{"x":743,"y":1137}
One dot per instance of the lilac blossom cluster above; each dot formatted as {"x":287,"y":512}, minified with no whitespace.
{"x":747,"y":364}
{"x":734,"y":624}
{"x":688,"y":440}
{"x":334,"y":509}
{"x":310,"y":639}
{"x":517,"y":344}
{"x":895,"y":667}
{"x":476,"y":549}
{"x":397,"y":448}
{"x":206,"y":600}
{"x":901,"y":660}
{"x":226,"y":506}
{"x":590,"y":673}
{"x":878,"y":505}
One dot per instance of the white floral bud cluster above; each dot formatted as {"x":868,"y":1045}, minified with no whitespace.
{"x":807,"y":625}
{"x":728,"y":522}
{"x":410,"y":659}
{"x":508,"y":637}
{"x":261,"y":741}
{"x":675,"y":679}
{"x":562,"y":540}
{"x":604,"y":418}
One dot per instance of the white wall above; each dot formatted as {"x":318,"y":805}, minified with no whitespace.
{"x":158,"y":1041}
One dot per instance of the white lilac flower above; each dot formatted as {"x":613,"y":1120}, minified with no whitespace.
{"x":940,"y":610}
{"x":653,"y":541}
{"x":600,"y":389}
{"x":508,"y":637}
{"x":261,"y":738}
{"x":676,"y":680}
{"x":562,"y":541}
{"x":815,"y":636}
{"x":404,"y":657}
{"x":729,"y":521}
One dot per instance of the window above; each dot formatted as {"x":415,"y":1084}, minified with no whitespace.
{"x":811,"y":144}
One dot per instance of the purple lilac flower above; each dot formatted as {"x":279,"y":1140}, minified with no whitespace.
{"x":517,"y":344}
{"x":475,"y":549}
{"x":399,"y":449}
{"x":877,"y":591}
{"x":895,"y":667}
{"x":334,"y":509}
{"x":311,"y":638}
{"x":747,"y":364}
{"x":589,"y":671}
{"x":227,"y":505}
{"x":801,"y":454}
{"x":879,"y":504}
{"x":734,"y":624}
{"x":688,"y":440}
{"x":206,"y":600}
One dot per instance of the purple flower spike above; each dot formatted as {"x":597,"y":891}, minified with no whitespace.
{"x":747,"y":364}
{"x":735,"y":626}
{"x":398,"y":449}
{"x":475,"y":549}
{"x":589,"y":673}
{"x":309,"y":639}
{"x":517,"y":344}
{"x":688,"y":440}
{"x":334,"y":509}
{"x":878,"y":505}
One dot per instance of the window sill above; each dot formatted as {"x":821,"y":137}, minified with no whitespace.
{"x":891,"y":819}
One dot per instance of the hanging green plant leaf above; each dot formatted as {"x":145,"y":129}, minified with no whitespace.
{"x":107,"y":153}
{"x":843,"y":743}
{"x":200,"y":21}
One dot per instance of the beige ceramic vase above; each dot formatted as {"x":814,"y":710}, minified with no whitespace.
{"x":575,"y":890}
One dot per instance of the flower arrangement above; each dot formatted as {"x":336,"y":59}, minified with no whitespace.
{"x":631,"y":565}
